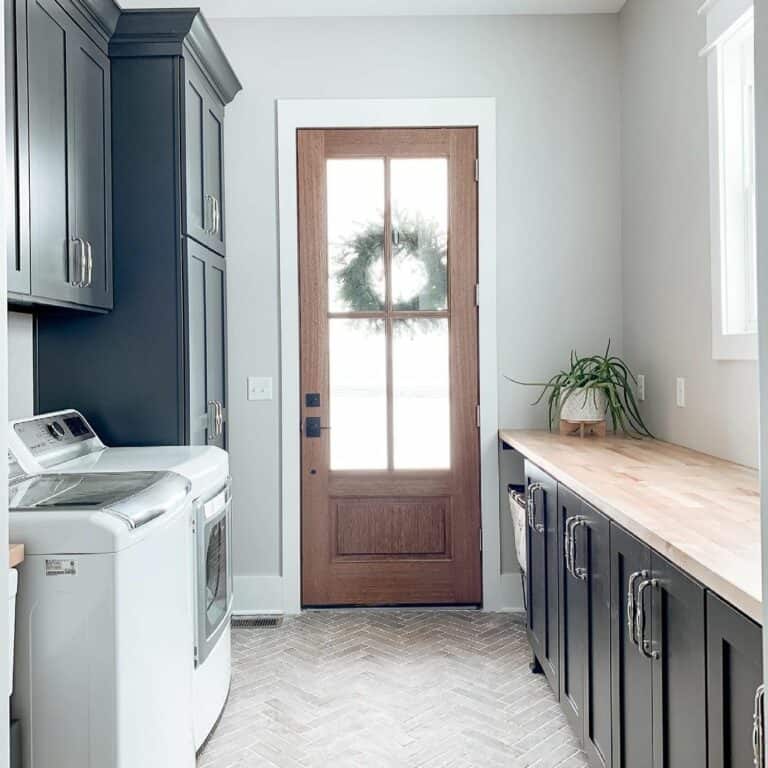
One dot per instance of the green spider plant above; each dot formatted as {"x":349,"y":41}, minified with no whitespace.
{"x":608,"y":373}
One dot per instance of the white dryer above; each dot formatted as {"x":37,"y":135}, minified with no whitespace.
{"x":103,"y":619}
{"x":64,"y":442}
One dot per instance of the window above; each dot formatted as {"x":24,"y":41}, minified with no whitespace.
{"x":730,"y":29}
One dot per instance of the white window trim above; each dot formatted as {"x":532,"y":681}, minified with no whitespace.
{"x":721,"y":16}
{"x":293,"y":114}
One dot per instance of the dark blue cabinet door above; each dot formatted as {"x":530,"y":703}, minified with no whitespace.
{"x":734,"y":671}
{"x":631,"y":671}
{"x":90,"y":183}
{"x":206,"y":345}
{"x":543,"y":574}
{"x":204,"y":151}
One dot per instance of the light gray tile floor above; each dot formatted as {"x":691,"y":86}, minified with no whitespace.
{"x":389,"y":688}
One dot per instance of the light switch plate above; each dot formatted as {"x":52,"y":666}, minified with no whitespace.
{"x":640,"y":387}
{"x":259,"y":388}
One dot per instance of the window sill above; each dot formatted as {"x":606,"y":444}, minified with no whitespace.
{"x":734,"y":346}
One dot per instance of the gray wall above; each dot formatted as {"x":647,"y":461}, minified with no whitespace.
{"x":20,"y":366}
{"x":665,"y":233}
{"x":556,"y":81}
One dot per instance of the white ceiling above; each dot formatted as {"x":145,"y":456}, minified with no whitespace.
{"x":281,"y":8}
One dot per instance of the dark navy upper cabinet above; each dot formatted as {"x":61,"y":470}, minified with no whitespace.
{"x":62,"y":141}
{"x":161,"y":353}
{"x":204,"y":137}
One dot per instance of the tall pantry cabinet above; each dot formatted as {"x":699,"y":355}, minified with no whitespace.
{"x":153,"y":371}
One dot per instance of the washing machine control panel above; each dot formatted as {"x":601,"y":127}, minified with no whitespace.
{"x":44,"y":441}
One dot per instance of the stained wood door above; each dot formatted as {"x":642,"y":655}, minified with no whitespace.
{"x":389,"y":374}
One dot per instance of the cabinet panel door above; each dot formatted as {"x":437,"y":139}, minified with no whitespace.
{"x":198,"y":211}
{"x":543,"y":575}
{"x":631,"y":694}
{"x":593,"y":553}
{"x":213,"y":134}
{"x":215,"y":317}
{"x":679,"y":673}
{"x":44,"y":147}
{"x":196,"y":346}
{"x":734,"y":671}
{"x":19,"y":279}
{"x":573,"y":613}
{"x":204,"y":148}
{"x":89,"y":108}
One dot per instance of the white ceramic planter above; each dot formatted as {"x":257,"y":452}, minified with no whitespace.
{"x":584,"y":405}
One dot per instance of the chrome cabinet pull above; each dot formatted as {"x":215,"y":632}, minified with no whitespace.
{"x":631,"y":603}
{"x":758,"y":728}
{"x":579,"y":572}
{"x":89,"y":264}
{"x":213,"y":419}
{"x":208,"y":215}
{"x":221,"y":418}
{"x":533,"y":488}
{"x":567,"y":545}
{"x":216,"y":216}
{"x":77,"y":263}
{"x":643,"y":644}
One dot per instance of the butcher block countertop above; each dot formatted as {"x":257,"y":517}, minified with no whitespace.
{"x":701,"y":513}
{"x":15,"y":555}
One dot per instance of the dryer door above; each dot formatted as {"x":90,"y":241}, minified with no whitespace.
{"x":214,"y":570}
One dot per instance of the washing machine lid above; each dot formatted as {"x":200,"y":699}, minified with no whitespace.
{"x":135,"y":498}
{"x":206,"y":467}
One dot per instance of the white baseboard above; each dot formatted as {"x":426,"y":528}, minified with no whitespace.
{"x":258,"y":593}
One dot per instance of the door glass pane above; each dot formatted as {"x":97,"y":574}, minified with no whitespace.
{"x":422,"y":428}
{"x":216,"y":580}
{"x":419,"y":233}
{"x":358,"y":405}
{"x":355,"y":234}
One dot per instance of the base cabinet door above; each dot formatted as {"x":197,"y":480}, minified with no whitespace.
{"x":542,"y":574}
{"x":572,"y":610}
{"x":593,"y":563}
{"x":734,"y":672}
{"x":206,"y":351}
{"x":631,"y":670}
{"x":678,"y":647}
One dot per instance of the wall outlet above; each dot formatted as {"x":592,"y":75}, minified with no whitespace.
{"x":259,"y":388}
{"x":640,"y":387}
{"x":681,"y":392}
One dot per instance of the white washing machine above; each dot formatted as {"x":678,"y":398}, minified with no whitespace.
{"x":64,"y":442}
{"x":103,"y":619}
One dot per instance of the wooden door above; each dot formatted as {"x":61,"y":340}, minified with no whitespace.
{"x":679,"y":669}
{"x":593,"y":554}
{"x":573,"y":610}
{"x":630,"y":670}
{"x":389,"y":372}
{"x":543,"y":574}
{"x":734,"y":671}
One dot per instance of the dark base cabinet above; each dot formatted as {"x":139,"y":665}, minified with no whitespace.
{"x":542,"y":572}
{"x":585,"y":610}
{"x":651,"y":670}
{"x":734,"y":672}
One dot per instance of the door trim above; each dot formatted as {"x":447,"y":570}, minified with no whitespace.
{"x":293,"y":114}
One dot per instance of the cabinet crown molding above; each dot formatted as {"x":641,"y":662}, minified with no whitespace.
{"x":162,"y":32}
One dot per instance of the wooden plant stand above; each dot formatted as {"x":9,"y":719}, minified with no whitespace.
{"x":583,"y":428}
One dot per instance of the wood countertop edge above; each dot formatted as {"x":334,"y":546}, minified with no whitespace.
{"x":746,"y":602}
{"x":15,"y":555}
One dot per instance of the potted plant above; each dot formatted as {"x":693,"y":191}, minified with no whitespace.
{"x":590,"y":389}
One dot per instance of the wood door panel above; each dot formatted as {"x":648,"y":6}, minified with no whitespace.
{"x":391,"y":527}
{"x":389,"y":535}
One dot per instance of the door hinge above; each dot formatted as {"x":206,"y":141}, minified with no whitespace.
{"x":477,"y":169}
{"x":477,"y":415}
{"x":480,"y":530}
{"x":477,"y":294}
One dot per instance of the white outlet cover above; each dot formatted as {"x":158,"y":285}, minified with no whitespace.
{"x":259,"y":388}
{"x":681,"y":392}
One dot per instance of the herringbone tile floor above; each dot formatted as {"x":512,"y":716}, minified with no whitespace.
{"x":389,"y":689}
